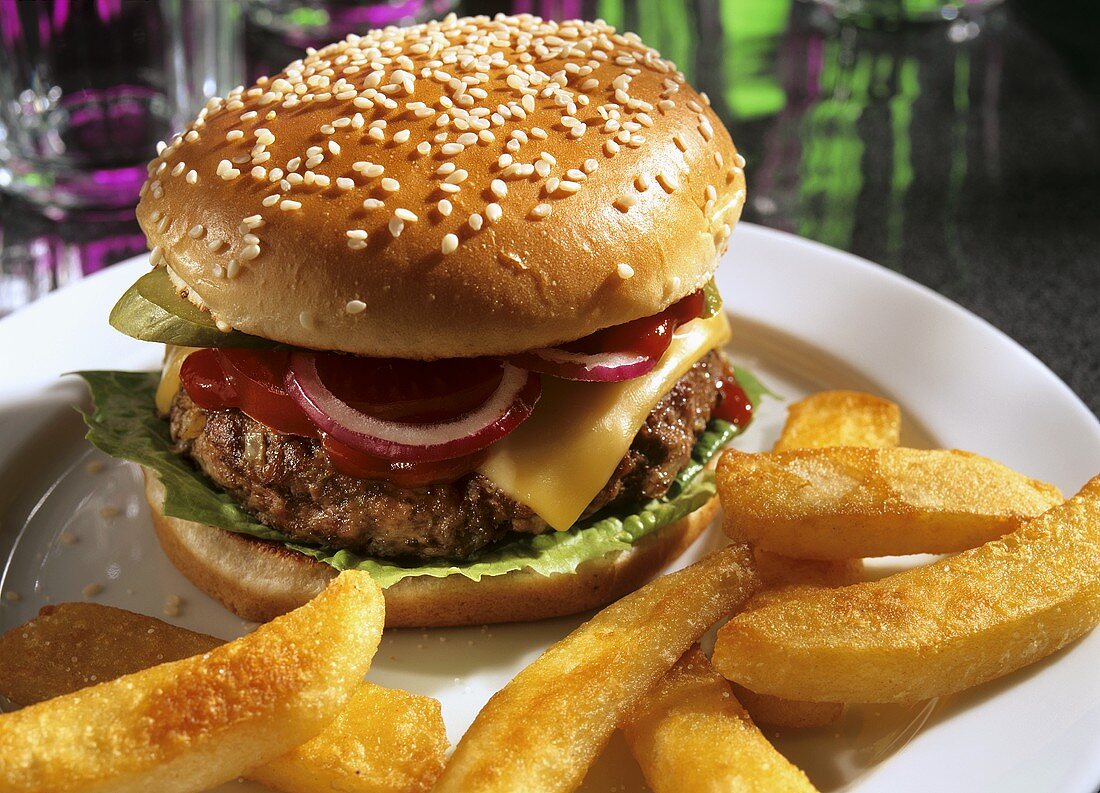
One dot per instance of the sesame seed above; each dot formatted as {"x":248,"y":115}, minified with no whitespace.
{"x":355,"y":307}
{"x":271,"y":200}
{"x":356,"y":234}
{"x":250,"y":252}
{"x":214,"y":245}
{"x":624,"y":203}
{"x":738,"y":160}
{"x":390,"y":185}
{"x":334,"y":147}
{"x":493,"y":212}
{"x":642,"y":182}
{"x":500,"y":190}
{"x":305,"y":319}
{"x":718,"y":159}
{"x":624,"y":270}
{"x":444,"y":206}
{"x":402,"y":136}
{"x":406,"y":215}
{"x":569,"y":186}
{"x":668,"y":182}
{"x":373,"y":203}
{"x":289,"y":204}
{"x":591,"y":165}
{"x":234,"y":134}
{"x":192,"y":177}
{"x":541,"y":211}
{"x":450,"y":244}
{"x":396,"y":226}
{"x":196,"y":231}
{"x":457,"y":177}
{"x":451,"y":149}
{"x":423,"y":148}
{"x":552,"y":185}
{"x":476,"y":221}
{"x":344,"y":183}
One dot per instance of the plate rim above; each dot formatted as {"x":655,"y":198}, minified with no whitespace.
{"x":1087,"y":774}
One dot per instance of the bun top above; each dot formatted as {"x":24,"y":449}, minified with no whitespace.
{"x":468,"y":187}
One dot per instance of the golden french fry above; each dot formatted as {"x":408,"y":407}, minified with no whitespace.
{"x":840,"y":418}
{"x":191,"y":724}
{"x":848,"y":502}
{"x":690,"y":733}
{"x":932,"y":630}
{"x":778,"y":571}
{"x":73,"y":645}
{"x":383,"y":739}
{"x":786,"y":714}
{"x":828,"y":418}
{"x":542,"y":730}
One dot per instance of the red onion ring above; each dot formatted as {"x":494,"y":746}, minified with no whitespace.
{"x":600,"y":367}
{"x":505,"y":409}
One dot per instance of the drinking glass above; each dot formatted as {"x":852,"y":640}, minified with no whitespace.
{"x":88,"y":87}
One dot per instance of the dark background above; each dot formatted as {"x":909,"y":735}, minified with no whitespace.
{"x":963,"y":154}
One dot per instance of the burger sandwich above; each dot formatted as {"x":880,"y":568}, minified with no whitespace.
{"x":438,"y":304}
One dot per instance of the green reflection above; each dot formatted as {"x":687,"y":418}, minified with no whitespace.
{"x":832,"y":174}
{"x":751,"y":31}
{"x":901,"y":119}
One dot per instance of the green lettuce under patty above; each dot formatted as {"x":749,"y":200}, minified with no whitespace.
{"x":124,"y":424}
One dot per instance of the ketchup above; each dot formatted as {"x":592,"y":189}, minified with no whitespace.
{"x":649,"y":336}
{"x":733,"y":404}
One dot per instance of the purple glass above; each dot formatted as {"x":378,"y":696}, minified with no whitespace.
{"x":88,"y":87}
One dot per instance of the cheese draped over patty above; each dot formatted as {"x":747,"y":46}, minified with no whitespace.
{"x":558,"y":460}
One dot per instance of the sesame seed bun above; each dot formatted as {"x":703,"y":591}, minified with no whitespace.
{"x":468,"y":187}
{"x":259,"y":580}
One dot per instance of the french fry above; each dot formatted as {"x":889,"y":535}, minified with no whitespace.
{"x":847,"y":502}
{"x":383,"y":739}
{"x":840,"y":418}
{"x":690,"y":733}
{"x":931,"y":630}
{"x":777,"y":571}
{"x":73,"y":645}
{"x":542,"y":730}
{"x":827,"y":418}
{"x":192,"y":724}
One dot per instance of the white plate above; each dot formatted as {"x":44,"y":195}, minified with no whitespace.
{"x":806,"y":317}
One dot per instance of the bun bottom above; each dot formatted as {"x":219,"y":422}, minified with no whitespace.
{"x":259,"y":580}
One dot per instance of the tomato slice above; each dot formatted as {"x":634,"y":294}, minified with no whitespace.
{"x":365,"y":466}
{"x":253,"y":381}
{"x":257,"y":377}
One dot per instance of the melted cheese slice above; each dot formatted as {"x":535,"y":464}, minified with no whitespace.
{"x":170,"y":376}
{"x":562,"y":456}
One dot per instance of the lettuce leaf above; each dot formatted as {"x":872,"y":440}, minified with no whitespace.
{"x":123,"y":424}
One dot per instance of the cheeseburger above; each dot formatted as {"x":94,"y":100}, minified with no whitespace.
{"x":438,"y":303}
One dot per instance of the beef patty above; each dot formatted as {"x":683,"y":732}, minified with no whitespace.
{"x":289,"y":483}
